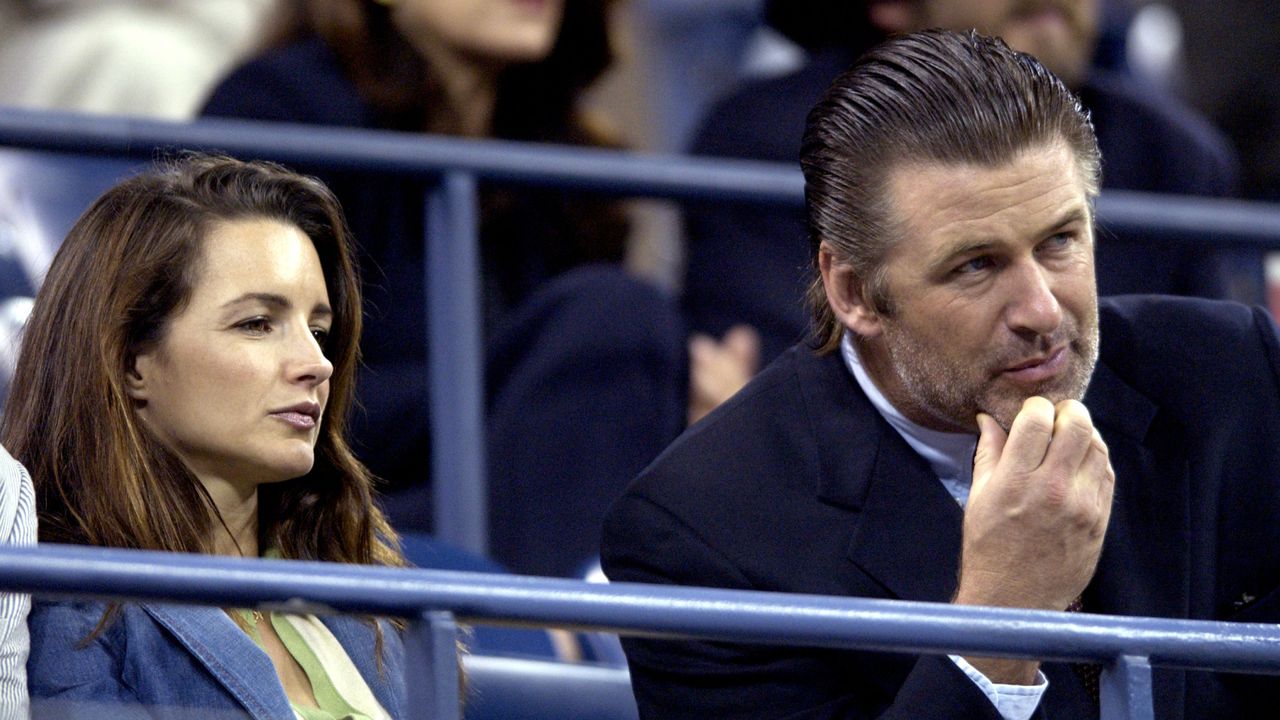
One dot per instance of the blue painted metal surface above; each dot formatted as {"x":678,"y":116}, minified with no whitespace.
{"x":409,"y":154}
{"x":1126,"y":690}
{"x":502,"y":688}
{"x":1197,"y":220}
{"x":455,"y":356}
{"x":665,"y":611}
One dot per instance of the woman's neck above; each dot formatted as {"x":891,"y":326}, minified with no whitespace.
{"x":238,"y":507}
{"x":470,"y":87}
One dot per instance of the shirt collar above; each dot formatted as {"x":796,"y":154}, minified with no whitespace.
{"x":950,"y":455}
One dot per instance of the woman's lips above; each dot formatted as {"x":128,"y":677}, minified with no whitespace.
{"x":1035,"y":371}
{"x":300,"y":421}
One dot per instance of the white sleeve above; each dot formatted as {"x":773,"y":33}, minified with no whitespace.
{"x":1013,"y":702}
{"x":18,"y":527}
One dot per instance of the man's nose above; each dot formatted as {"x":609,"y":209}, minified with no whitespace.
{"x":1032,"y":305}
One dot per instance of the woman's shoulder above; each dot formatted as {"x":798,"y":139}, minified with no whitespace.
{"x":299,"y":82}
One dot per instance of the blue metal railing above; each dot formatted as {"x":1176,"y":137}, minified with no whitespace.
{"x":456,"y":360}
{"x":433,"y":601}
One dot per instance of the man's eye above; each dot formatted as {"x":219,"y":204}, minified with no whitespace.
{"x":256,"y":325}
{"x":972,"y":266}
{"x":1058,"y":241}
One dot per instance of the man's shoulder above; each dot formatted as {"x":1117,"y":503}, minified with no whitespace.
{"x":745,"y":497}
{"x":772,"y":401}
{"x":761,"y":445}
{"x":1166,"y":318}
{"x":1162,"y":343}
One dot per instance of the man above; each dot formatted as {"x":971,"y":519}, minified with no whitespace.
{"x":933,"y":445}
{"x":745,"y":265}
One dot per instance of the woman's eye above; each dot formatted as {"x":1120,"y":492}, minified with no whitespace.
{"x":321,"y":335}
{"x":257,"y":325}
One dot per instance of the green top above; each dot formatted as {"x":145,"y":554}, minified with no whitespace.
{"x":311,"y":655}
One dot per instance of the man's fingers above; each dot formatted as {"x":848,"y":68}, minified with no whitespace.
{"x":1097,"y":472}
{"x":991,"y":440}
{"x":1029,"y":436}
{"x":1073,"y":435}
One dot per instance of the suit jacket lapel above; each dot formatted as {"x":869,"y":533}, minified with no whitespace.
{"x":907,"y":527}
{"x":1145,"y":568}
{"x":229,"y":655}
{"x":1145,"y":564}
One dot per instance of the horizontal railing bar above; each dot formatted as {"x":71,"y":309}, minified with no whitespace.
{"x":1174,"y":218}
{"x":412,"y":154}
{"x":1170,"y":218}
{"x":740,"y":616}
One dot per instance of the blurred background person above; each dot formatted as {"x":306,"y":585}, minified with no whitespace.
{"x":1224,"y":63}
{"x":155,"y":58}
{"x":586,"y":367}
{"x":747,"y":265}
{"x":184,"y":385}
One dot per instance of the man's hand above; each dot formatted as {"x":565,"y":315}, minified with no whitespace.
{"x":1036,"y":516}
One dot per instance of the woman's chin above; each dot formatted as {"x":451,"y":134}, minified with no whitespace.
{"x":290,"y":467}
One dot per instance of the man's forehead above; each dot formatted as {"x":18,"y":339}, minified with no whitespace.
{"x":934,"y":198}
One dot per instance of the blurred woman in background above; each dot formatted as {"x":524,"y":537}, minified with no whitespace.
{"x":586,"y":368}
{"x":184,"y":385}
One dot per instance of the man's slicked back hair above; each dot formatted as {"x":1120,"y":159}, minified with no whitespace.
{"x":937,"y":97}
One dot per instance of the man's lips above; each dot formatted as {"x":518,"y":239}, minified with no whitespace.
{"x":1034,"y":370}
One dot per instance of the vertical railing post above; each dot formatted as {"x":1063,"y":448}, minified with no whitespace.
{"x":455,"y":358}
{"x":1126,"y":689}
{"x":432,"y":642}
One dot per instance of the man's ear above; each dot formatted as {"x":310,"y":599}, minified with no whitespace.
{"x":846,"y":294}
{"x":893,"y":16}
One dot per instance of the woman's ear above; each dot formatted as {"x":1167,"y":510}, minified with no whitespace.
{"x":846,"y":294}
{"x":134,"y":379}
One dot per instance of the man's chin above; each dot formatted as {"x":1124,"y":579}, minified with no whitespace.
{"x":1005,"y":408}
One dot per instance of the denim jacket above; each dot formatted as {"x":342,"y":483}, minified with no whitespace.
{"x":172,"y":662}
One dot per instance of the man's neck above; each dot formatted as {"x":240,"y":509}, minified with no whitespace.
{"x":949,"y":454}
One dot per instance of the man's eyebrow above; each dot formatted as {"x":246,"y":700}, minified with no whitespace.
{"x":960,"y":249}
{"x":276,"y":302}
{"x":969,"y":247}
{"x":1074,"y":215}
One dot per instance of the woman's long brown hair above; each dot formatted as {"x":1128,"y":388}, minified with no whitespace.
{"x":127,"y":266}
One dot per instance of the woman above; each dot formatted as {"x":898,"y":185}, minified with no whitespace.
{"x":585,"y":362}
{"x":184,"y":385}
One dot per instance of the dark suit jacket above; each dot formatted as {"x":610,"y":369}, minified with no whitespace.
{"x":799,"y":485}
